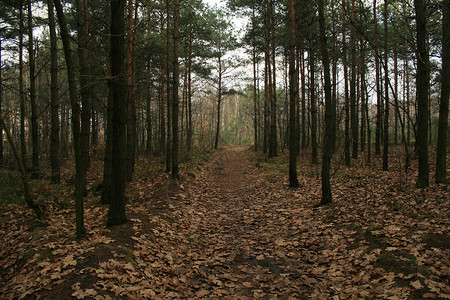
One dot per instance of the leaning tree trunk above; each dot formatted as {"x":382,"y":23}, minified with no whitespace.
{"x":26,"y":188}
{"x":423,"y":83}
{"x":79,"y":167}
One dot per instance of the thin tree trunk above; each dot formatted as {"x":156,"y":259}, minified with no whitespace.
{"x":273,"y":144}
{"x":169,"y":95}
{"x":386,"y":94}
{"x":353,"y":86}
{"x":423,"y":82}
{"x":441,"y":148}
{"x":34,"y":123}
{"x":26,"y":188}
{"x":312,"y":87}
{"x":176,"y":81}
{"x":85,"y":82}
{"x":1,"y":102}
{"x":377,"y":79}
{"x":255,"y":111}
{"x":23,"y":145}
{"x":190,"y":128}
{"x":347,"y":108}
{"x":219,"y":102}
{"x":54,"y":101}
{"x":130,"y":93}
{"x":293,"y":93}
{"x":329,"y":120}
{"x":396,"y":95}
{"x":303,"y":117}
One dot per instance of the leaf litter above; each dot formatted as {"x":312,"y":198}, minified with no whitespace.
{"x":236,"y":231}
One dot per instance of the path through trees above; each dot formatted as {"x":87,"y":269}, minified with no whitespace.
{"x":235,"y":229}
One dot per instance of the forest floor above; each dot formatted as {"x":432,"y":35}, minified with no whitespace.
{"x":232,"y":229}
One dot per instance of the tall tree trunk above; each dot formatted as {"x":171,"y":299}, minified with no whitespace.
{"x":441,"y":148}
{"x":219,"y":101}
{"x":1,"y":102}
{"x":85,"y":82}
{"x":303,"y":116}
{"x":255,"y":98}
{"x":396,"y":94}
{"x":131,"y":112}
{"x":353,"y":86}
{"x":312,"y":87}
{"x":34,"y":123}
{"x":273,"y":144}
{"x":329,"y":120}
{"x":293,"y":93}
{"x":378,"y":85}
{"x":116,"y":213}
{"x":334,"y":96}
{"x":386,"y":93}
{"x":364,"y":101}
{"x":176,"y":81}
{"x":190,"y":128}
{"x":267,"y":78}
{"x":79,"y":167}
{"x":54,"y":101}
{"x":346,"y":96}
{"x":423,"y":83}
{"x":23,"y":145}
{"x":148,"y":141}
{"x":169,"y":94}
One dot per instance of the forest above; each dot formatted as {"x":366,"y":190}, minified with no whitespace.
{"x":234,"y":149}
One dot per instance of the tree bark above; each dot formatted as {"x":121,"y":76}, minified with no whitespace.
{"x":441,"y":148}
{"x":1,"y":102}
{"x":346,"y":96}
{"x":34,"y":123}
{"x":312,"y":87}
{"x":423,"y":81}
{"x":273,"y":143}
{"x":23,"y":145}
{"x":85,"y":81}
{"x":377,"y":79}
{"x":293,"y":93}
{"x":54,"y":101}
{"x":386,"y":93}
{"x":116,"y":213}
{"x":79,"y":167}
{"x":329,"y":120}
{"x":176,"y":81}
{"x":353,"y":86}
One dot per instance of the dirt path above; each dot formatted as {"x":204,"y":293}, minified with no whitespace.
{"x":230,"y":233}
{"x":235,"y":236}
